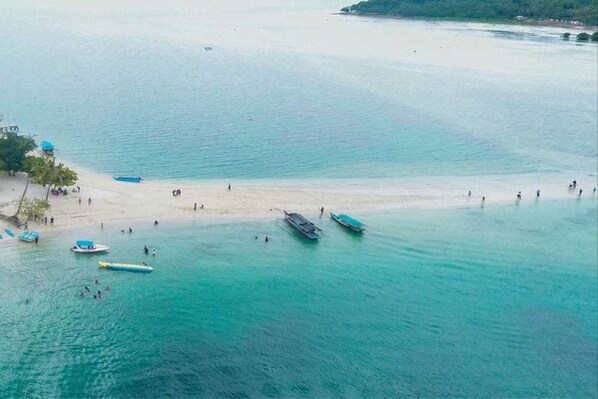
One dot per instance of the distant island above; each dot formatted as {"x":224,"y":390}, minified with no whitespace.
{"x":573,"y":12}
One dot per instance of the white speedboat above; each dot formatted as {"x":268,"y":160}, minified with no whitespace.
{"x":88,"y":247}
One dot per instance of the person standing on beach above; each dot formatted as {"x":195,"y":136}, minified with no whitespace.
{"x":580,"y":191}
{"x":36,"y":240}
{"x":469,"y":193}
{"x":228,"y":186}
{"x":102,"y":226}
{"x":195,"y":206}
{"x":538,"y":193}
{"x":321,"y":211}
{"x":519,"y":195}
{"x":89,"y":201}
{"x":52,"y":221}
{"x":79,"y":201}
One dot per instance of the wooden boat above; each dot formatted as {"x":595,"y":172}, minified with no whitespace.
{"x":302,"y":225}
{"x":28,"y":236}
{"x":128,"y":179}
{"x":130,"y":267}
{"x":348,"y":222}
{"x":88,"y":247}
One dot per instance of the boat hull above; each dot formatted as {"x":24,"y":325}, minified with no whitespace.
{"x":356,"y":229}
{"x":97,"y":249}
{"x":28,"y":236}
{"x":128,"y":179}
{"x":129,"y":267}
{"x":312,"y":235}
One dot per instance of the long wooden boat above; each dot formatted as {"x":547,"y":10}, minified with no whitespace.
{"x":130,"y":267}
{"x":28,"y":236}
{"x":88,"y":247}
{"x":302,"y":225}
{"x":348,"y":222}
{"x":128,"y":179}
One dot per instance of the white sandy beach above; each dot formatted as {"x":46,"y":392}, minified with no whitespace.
{"x":114,"y":201}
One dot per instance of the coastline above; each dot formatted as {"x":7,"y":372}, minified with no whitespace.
{"x":118,"y":202}
{"x":506,"y":22}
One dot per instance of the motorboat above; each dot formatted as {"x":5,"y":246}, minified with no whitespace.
{"x":88,"y":247}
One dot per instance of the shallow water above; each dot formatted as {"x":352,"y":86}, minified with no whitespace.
{"x":470,"y":302}
{"x":294,"y":92}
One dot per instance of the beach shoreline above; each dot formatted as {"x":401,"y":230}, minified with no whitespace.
{"x":505,"y":22}
{"x":114,"y":202}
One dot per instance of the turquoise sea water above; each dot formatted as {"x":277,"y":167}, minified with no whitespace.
{"x":494,"y":302}
{"x":294,"y":92}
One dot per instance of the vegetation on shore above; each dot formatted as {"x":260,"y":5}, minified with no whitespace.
{"x":585,"y":11}
{"x":15,"y":156}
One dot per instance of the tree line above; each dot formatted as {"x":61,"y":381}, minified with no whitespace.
{"x":16,"y":156}
{"x":585,"y":11}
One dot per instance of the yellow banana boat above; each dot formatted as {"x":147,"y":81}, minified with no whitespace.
{"x":130,"y":267}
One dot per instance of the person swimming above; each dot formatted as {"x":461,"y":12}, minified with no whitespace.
{"x":107,"y":288}
{"x":82,"y":293}
{"x":87,"y":289}
{"x":97,"y":281}
{"x":145,"y":249}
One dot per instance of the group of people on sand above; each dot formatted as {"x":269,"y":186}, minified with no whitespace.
{"x":519,"y":196}
{"x":97,"y":295}
{"x":59,"y":191}
{"x":195,"y":206}
{"x":176,"y":193}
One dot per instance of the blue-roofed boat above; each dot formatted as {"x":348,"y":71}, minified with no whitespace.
{"x":128,"y":179}
{"x":28,"y":236}
{"x":348,"y":222}
{"x":88,"y":247}
{"x":47,"y":147}
{"x":129,"y":267}
{"x":302,"y":225}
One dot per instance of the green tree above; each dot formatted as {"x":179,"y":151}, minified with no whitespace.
{"x":13,"y":151}
{"x":583,"y":37}
{"x":595,"y":37}
{"x":33,"y":208}
{"x":45,"y":171}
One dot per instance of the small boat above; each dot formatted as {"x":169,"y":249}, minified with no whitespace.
{"x":302,"y":225}
{"x":130,"y":267}
{"x":128,"y":179}
{"x":47,"y":148}
{"x":9,"y":232}
{"x":348,"y":222}
{"x":28,"y":236}
{"x":88,"y":247}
